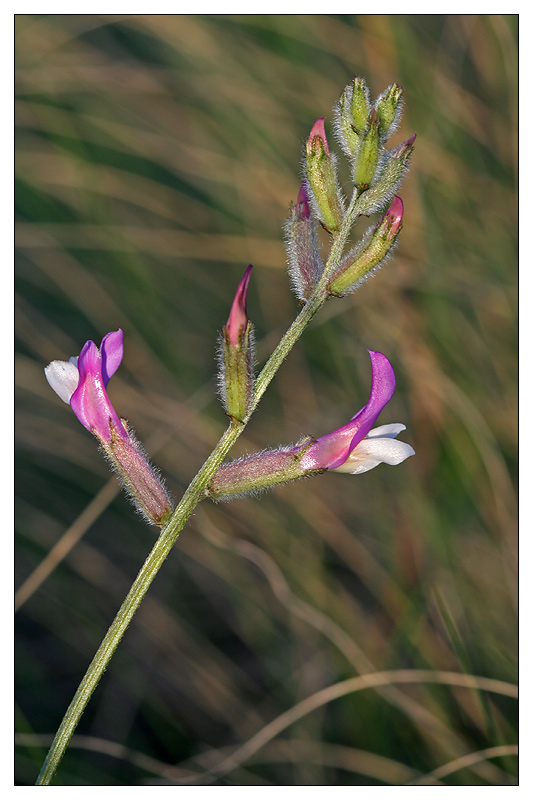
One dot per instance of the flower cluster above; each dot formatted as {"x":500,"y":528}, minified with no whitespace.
{"x":362,"y":129}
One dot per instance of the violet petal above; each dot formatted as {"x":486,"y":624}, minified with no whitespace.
{"x":90,"y":402}
{"x":332,"y":450}
{"x":112,"y":350}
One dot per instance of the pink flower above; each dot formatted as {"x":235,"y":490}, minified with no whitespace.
{"x":82,"y":383}
{"x":355,"y":448}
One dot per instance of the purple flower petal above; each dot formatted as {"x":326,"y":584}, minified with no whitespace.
{"x":302,"y":202}
{"x":112,"y":350}
{"x":383,"y":386}
{"x":90,"y":402}
{"x":318,"y":131}
{"x":332,"y":450}
{"x":238,"y":319}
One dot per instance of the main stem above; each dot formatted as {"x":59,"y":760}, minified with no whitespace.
{"x":193,"y":495}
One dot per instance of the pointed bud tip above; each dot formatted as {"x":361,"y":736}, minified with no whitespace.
{"x":395,"y":212}
{"x":393,"y":217}
{"x":302,"y":202}
{"x":238,"y":319}
{"x":318,"y":131}
{"x":318,"y":128}
{"x":408,"y":144}
{"x":405,"y":148}
{"x":247,"y":273}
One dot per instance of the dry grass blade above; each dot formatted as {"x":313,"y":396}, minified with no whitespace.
{"x":351,"y":686}
{"x":465,"y":762}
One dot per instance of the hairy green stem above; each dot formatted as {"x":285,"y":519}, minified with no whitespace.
{"x":193,"y":495}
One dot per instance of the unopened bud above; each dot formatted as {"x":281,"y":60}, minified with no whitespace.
{"x":238,"y":318}
{"x":368,"y":155}
{"x":322,"y":178}
{"x":236,"y":355}
{"x":360,"y":106}
{"x":391,"y":174}
{"x":404,"y":150}
{"x":351,"y":115}
{"x":305,"y":264}
{"x":370,"y":253}
{"x":389,"y":109}
{"x":391,"y":223}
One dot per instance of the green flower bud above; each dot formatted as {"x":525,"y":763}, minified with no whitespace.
{"x":322,"y":178}
{"x":367,"y":159}
{"x":388,"y":109}
{"x":360,"y":109}
{"x":365,"y":257}
{"x":236,"y":378}
{"x":351,"y":115}
{"x":391,"y":174}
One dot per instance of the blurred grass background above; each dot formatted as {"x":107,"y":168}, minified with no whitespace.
{"x":157,"y":157}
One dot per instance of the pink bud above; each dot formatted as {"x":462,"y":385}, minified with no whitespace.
{"x":305,"y":264}
{"x":238,"y":319}
{"x":318,"y":131}
{"x":393,"y":217}
{"x":302,"y":202}
{"x":404,"y":148}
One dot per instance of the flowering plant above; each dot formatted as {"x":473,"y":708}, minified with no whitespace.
{"x":362,"y":129}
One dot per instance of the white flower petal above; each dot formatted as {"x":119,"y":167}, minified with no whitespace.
{"x":373,"y":451}
{"x":391,"y":430}
{"x":63,"y":377}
